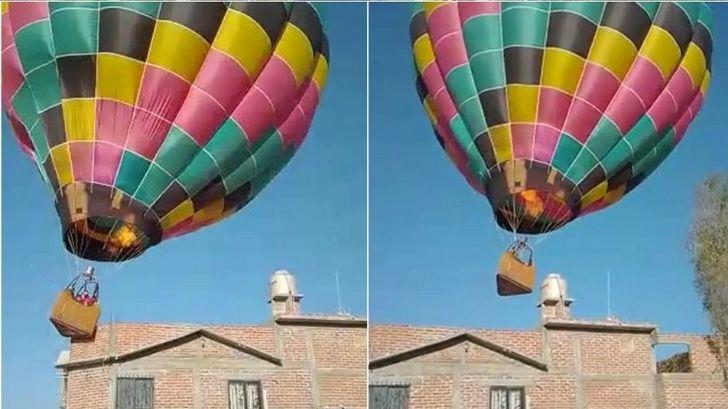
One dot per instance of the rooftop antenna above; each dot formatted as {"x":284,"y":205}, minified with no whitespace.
{"x":338,"y":290}
{"x":338,"y":293}
{"x":290,"y":300}
{"x":610,"y":317}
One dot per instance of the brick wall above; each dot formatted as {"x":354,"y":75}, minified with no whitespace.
{"x":703,"y":388}
{"x":599,"y":366}
{"x":604,"y":367}
{"x":389,"y":339}
{"x":320,"y":366}
{"x":126,"y":337}
{"x":90,"y":389}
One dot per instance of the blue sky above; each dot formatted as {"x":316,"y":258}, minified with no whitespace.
{"x":311,"y":220}
{"x":434,"y":246}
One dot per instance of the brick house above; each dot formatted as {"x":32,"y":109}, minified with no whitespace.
{"x":565,"y":363}
{"x":294,"y":361}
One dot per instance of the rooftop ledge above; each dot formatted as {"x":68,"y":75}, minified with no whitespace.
{"x":600,"y":326}
{"x":323,"y":320}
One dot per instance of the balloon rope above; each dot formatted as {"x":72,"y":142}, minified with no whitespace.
{"x":510,"y":216}
{"x":87,"y":242}
{"x":134,"y":251}
{"x":138,"y":249}
{"x":503,"y":236}
{"x":521,"y":218}
{"x":546,"y":226}
{"x":119,"y":263}
{"x":66,"y":256}
{"x":560,"y":221}
{"x":81,"y":244}
{"x":131,"y":252}
{"x":512,"y":222}
{"x":119,"y":254}
{"x":108,"y":234}
{"x":552,"y":222}
{"x":520,"y":215}
{"x":77,"y":243}
{"x":74,"y":247}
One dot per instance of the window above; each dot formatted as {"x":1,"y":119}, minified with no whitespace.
{"x":502,"y":397}
{"x":672,"y":358}
{"x":134,"y":393}
{"x":245,"y":395}
{"x":388,"y":397}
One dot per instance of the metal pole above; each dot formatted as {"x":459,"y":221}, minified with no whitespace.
{"x":609,"y":293}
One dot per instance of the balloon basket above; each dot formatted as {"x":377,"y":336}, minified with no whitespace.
{"x":514,"y":277}
{"x":72,"y":319}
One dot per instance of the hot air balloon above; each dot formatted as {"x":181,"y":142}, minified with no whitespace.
{"x":553,"y":110}
{"x":149,"y":120}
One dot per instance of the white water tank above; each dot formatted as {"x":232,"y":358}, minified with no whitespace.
{"x":553,"y":290}
{"x":282,"y":285}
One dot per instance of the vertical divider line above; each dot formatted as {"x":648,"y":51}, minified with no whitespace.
{"x":366,"y":127}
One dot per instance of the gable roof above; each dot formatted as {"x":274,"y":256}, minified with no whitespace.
{"x":174,"y":342}
{"x":447,"y":343}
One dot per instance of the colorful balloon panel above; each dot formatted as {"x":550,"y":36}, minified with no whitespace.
{"x":149,"y":120}
{"x":554,"y":110}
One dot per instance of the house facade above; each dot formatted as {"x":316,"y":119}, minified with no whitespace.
{"x":565,"y":363}
{"x":294,"y":361}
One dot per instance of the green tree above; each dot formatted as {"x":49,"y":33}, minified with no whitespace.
{"x":708,"y":245}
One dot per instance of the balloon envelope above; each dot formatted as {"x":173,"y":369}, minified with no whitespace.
{"x":555,"y":110}
{"x":149,"y":120}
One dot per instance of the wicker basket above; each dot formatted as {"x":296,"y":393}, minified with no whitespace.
{"x":73,"y":319}
{"x":514,"y":277}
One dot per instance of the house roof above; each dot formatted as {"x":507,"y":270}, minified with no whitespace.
{"x":171,"y":343}
{"x":447,"y":343}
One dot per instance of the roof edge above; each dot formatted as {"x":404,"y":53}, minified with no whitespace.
{"x":171,"y":343}
{"x":317,"y":321}
{"x":600,"y":326}
{"x":447,"y":343}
